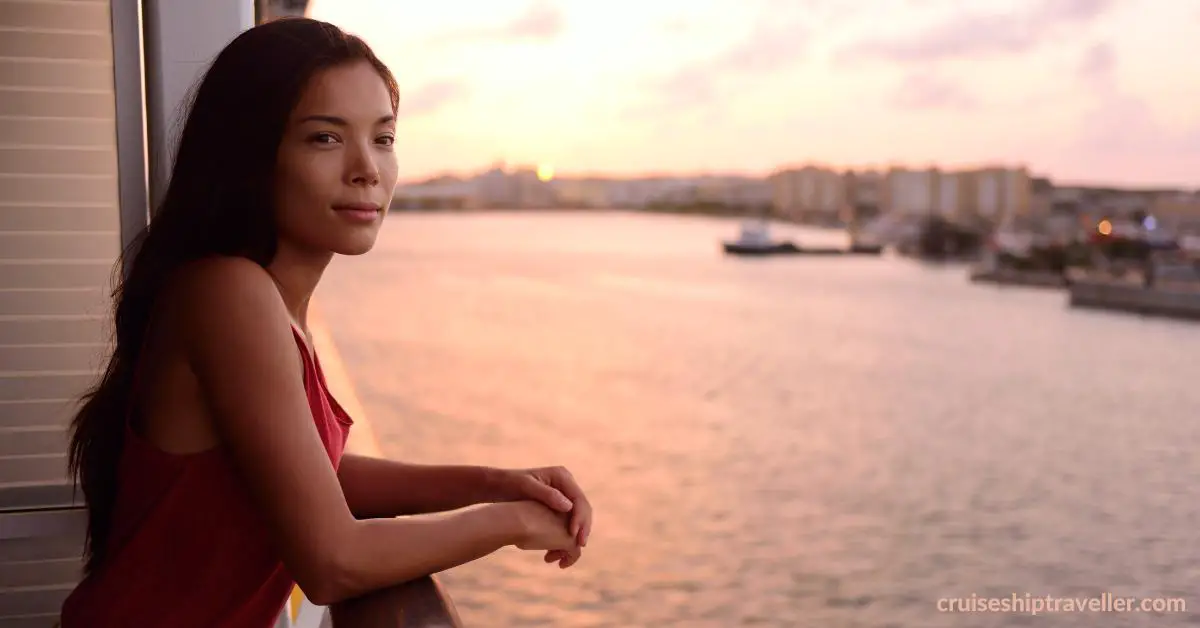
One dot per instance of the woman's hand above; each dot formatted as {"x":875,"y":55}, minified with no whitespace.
{"x":556,"y":489}
{"x":536,"y":527}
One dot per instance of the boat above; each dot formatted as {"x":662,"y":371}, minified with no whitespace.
{"x":859,"y":248}
{"x":940,"y":239}
{"x":755,"y":239}
{"x":777,"y":248}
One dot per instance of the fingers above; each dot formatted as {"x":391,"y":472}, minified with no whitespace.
{"x":565,"y":482}
{"x":564,"y":558}
{"x":581,"y":521}
{"x":570,"y":558}
{"x":557,"y":483}
{"x":581,"y":510}
{"x":548,"y":495}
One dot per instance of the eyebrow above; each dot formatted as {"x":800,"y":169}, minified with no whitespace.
{"x":336,"y":121}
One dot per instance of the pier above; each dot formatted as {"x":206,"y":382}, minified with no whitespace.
{"x":1135,"y":299}
{"x":1014,"y":277}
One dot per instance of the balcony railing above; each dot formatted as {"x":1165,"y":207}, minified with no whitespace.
{"x":420,"y":603}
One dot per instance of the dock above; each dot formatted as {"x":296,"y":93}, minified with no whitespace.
{"x":1024,"y":278}
{"x":1182,"y":304}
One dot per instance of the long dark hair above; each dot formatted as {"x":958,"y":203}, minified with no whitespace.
{"x":218,"y":202}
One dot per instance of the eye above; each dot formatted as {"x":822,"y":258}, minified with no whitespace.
{"x":386,"y":140}
{"x":323,"y":138}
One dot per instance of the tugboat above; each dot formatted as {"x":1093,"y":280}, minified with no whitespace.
{"x":755,"y":239}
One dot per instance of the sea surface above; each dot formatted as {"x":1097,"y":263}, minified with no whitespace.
{"x":827,"y":442}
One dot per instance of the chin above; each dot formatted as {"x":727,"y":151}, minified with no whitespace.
{"x":354,"y":247}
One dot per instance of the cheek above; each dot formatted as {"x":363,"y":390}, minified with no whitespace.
{"x":389,"y":171}
{"x":301,"y":189}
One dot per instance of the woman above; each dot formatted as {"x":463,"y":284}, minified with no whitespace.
{"x":210,"y":453}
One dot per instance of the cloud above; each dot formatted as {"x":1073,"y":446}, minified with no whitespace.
{"x":921,"y":91}
{"x":689,"y":85}
{"x":1097,"y":66}
{"x":969,"y":34}
{"x":1122,"y":131}
{"x":541,"y":21}
{"x":768,"y":48}
{"x":827,"y":15}
{"x":1119,"y":123}
{"x":430,"y":98}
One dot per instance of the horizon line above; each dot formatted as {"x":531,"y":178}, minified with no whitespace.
{"x":1142,"y":185}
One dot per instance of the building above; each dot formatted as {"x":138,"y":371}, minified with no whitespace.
{"x":445,"y":194}
{"x":1041,"y":197}
{"x":999,"y":193}
{"x":809,"y":193}
{"x":518,"y":188}
{"x":1090,"y":205}
{"x":642,"y":192}
{"x":734,"y":192}
{"x":910,"y":192}
{"x":952,"y":191}
{"x":991,"y":194}
{"x":680,"y":191}
{"x":531,"y":190}
{"x":864,"y":193}
{"x":494,"y":188}
{"x":749,"y":194}
{"x":1176,"y":212}
{"x":587,"y":192}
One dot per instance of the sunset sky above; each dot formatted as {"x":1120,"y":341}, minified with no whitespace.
{"x":1080,"y":90}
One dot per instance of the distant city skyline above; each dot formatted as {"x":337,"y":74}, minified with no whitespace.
{"x":1082,"y":91}
{"x":549,"y":174}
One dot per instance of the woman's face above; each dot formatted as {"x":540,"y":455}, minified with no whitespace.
{"x":336,"y":168}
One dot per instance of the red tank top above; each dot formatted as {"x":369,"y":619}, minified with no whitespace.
{"x":188,"y":548}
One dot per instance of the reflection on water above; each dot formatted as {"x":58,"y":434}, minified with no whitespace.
{"x":790,"y":442}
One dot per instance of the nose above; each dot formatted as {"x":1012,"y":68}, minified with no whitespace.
{"x":362,"y":171}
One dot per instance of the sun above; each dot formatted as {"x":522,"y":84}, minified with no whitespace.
{"x":545,"y":172}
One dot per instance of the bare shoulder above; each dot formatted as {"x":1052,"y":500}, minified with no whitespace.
{"x":236,"y":337}
{"x":225,"y":281}
{"x":227,"y":299}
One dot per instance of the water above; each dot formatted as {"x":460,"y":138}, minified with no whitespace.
{"x":788,"y":442}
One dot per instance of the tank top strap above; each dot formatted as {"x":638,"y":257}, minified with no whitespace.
{"x":307,"y":353}
{"x":315,"y":375}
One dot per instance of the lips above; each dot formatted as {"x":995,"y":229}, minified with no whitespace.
{"x":359,"y":212}
{"x":357,"y":207}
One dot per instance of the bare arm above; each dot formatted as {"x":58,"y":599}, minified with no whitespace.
{"x":241,"y":349}
{"x":377,"y":487}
